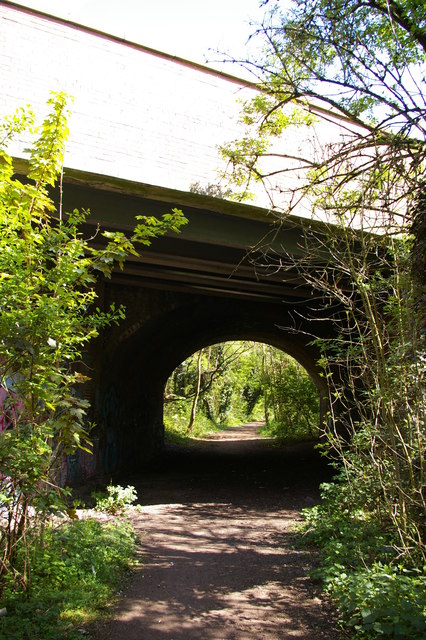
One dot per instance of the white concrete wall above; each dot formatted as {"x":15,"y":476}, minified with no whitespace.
{"x":136,"y":115}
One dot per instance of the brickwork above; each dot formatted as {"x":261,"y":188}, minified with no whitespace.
{"x":137,"y":114}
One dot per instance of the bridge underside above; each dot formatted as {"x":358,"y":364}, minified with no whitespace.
{"x":208,"y":284}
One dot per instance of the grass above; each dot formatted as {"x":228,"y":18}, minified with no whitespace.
{"x":78,"y":568}
{"x":284,"y":435}
{"x":176,"y":428}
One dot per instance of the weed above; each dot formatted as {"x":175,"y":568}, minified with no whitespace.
{"x":76,"y":569}
{"x":377,"y":595}
{"x":116,"y":499}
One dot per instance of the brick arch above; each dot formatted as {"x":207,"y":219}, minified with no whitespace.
{"x":141,"y":364}
{"x":287,"y":342}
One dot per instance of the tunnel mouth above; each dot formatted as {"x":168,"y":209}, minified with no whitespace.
{"x":228,"y":384}
{"x":139,"y":361}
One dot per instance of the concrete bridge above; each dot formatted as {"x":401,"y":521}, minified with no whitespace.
{"x":185,"y":292}
{"x":144,"y":129}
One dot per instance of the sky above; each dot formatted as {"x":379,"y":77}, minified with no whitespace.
{"x":192,"y":29}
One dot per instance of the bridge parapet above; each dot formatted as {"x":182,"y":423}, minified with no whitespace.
{"x":138,"y":114}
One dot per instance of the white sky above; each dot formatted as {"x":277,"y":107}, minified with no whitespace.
{"x":191,"y":29}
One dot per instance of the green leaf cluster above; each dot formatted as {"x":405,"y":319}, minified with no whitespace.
{"x":76,"y":571}
{"x":360,"y":64}
{"x":291,"y":399}
{"x":364,"y":61}
{"x":377,"y":595}
{"x":240,"y":381}
{"x":48,"y":315}
{"x":116,"y":499}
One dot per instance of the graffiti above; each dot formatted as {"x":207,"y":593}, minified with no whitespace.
{"x":78,"y":466}
{"x":62,"y":474}
{"x":82,"y":465}
{"x":73,"y":467}
{"x":89,"y":462}
{"x":4,"y":409}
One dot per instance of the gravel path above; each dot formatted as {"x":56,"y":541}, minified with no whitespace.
{"x":217,"y":552}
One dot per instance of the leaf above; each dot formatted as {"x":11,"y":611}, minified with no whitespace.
{"x":368,"y":616}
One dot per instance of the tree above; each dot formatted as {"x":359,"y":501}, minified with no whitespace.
{"x":361,"y":61}
{"x":196,"y":394}
{"x":211,"y":375}
{"x":233,"y":378}
{"x":291,"y":396}
{"x":48,"y":314}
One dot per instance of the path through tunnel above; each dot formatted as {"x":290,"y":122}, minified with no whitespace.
{"x":138,"y":367}
{"x":234,"y":466}
{"x":217,"y":522}
{"x":219,"y":559}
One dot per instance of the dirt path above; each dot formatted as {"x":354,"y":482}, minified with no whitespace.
{"x":217,"y":556}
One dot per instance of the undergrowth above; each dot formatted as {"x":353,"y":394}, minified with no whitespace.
{"x":378,"y":596}
{"x":77,"y":568}
{"x":176,"y":423}
{"x":115,"y":500}
{"x":282,"y":434}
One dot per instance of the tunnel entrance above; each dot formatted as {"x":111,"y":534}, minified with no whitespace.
{"x":165,"y":328}
{"x":217,"y":530}
{"x":232,"y":383}
{"x":241,"y":418}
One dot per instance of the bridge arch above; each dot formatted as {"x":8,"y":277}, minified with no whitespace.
{"x":136,"y":369}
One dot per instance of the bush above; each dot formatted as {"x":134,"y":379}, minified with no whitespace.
{"x":382,"y":601}
{"x":48,"y":315}
{"x":378,"y":596}
{"x":116,"y":499}
{"x":76,"y":569}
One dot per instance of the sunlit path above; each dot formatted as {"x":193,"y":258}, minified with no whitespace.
{"x":217,"y":556}
{"x":242,"y":433}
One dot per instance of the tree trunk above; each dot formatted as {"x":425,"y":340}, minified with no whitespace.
{"x":197,"y":394}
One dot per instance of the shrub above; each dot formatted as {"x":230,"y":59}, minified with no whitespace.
{"x":116,"y":499}
{"x":76,"y":569}
{"x":378,"y":596}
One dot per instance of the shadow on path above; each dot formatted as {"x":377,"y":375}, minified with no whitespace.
{"x":217,"y":556}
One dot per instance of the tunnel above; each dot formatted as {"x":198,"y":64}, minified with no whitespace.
{"x":136,"y":362}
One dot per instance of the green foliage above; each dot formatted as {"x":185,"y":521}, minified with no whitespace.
{"x":176,"y":418}
{"x":291,"y":398}
{"x":377,"y":595}
{"x":383,"y":601}
{"x":77,"y":569}
{"x":361,"y":258}
{"x":376,"y":377}
{"x":248,"y":158}
{"x":48,"y":315}
{"x":242,"y":381}
{"x":116,"y":499}
{"x":221,"y":371}
{"x":351,"y":45}
{"x":364,"y":60}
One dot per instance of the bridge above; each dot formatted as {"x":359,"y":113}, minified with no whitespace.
{"x":144,"y":132}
